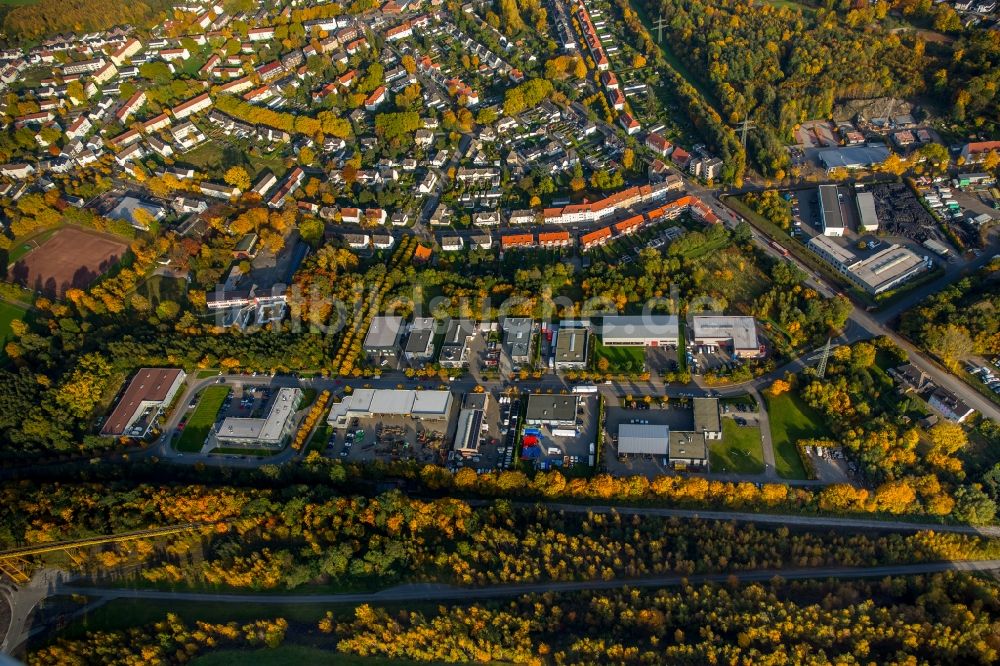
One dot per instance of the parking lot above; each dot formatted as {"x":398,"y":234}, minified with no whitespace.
{"x":662,"y":359}
{"x":676,"y":417}
{"x":830,"y":464}
{"x":392,"y":438}
{"x":572,"y":451}
{"x":499,"y":448}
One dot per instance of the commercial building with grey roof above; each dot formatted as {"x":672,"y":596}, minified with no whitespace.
{"x":271,"y":431}
{"x":738,"y":333}
{"x":552,"y":410}
{"x":517,"y":338}
{"x":571,"y":347}
{"x":383,"y":336}
{"x":647,"y":330}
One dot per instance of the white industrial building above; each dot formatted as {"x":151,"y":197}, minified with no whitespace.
{"x":831,"y":216}
{"x":876,"y":274}
{"x":366,"y":403}
{"x":271,"y":431}
{"x":647,"y":330}
{"x":738,"y":334}
{"x":866,"y":211}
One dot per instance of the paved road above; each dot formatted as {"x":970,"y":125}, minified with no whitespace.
{"x":797,"y":520}
{"x":436,"y":592}
{"x":876,"y":324}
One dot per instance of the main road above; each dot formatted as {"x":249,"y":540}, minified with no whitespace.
{"x":441,"y":592}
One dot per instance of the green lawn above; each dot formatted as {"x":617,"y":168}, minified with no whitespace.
{"x":8,"y":313}
{"x":792,"y":420}
{"x":740,"y":450}
{"x":32,"y":242}
{"x":621,"y":359}
{"x":308,"y":398}
{"x":202,"y":419}
{"x":158,"y":288}
{"x":320,"y":436}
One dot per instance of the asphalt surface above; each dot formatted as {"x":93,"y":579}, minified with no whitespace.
{"x":435,"y":592}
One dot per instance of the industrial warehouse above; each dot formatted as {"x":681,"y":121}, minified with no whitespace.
{"x":682,"y":448}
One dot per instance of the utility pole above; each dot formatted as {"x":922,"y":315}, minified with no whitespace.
{"x":660,"y":24}
{"x":743,"y":127}
{"x":821,"y":369}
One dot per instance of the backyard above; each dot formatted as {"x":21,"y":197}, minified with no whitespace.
{"x":792,"y":420}
{"x":202,"y":419}
{"x":739,"y":451}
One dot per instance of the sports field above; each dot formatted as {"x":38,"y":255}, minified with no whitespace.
{"x":70,"y":258}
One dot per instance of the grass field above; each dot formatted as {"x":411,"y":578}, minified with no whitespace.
{"x":792,"y":420}
{"x":202,"y":419}
{"x":29,"y":243}
{"x":8,"y":313}
{"x":320,"y":436}
{"x":158,"y":288}
{"x":739,"y":452}
{"x":621,"y":359}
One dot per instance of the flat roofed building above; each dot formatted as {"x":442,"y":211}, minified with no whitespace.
{"x":149,"y":392}
{"x":829,"y":211}
{"x":552,"y":410}
{"x":420,"y":343}
{"x":884,"y":270}
{"x":571,"y":347}
{"x":641,"y":439}
{"x":383,"y":336}
{"x":687,"y":450}
{"x":472,"y":424}
{"x":640,"y":331}
{"x":737,"y":333}
{"x":866,"y":211}
{"x":271,"y":431}
{"x":455,"y":348}
{"x":707,"y":419}
{"x":888,"y":269}
{"x":517,"y":338}
{"x":365,"y":403}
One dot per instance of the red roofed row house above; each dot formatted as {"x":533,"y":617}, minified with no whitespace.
{"x":544,"y":239}
{"x":670,"y":211}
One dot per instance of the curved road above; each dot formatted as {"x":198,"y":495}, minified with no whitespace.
{"x":435,"y":592}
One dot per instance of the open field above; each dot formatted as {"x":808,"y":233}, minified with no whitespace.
{"x":70,"y":258}
{"x":740,"y":450}
{"x":792,"y":420}
{"x":202,"y":419}
{"x":620,"y":359}
{"x":8,"y":313}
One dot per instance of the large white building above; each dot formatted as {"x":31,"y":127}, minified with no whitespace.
{"x":365,"y":403}
{"x":271,"y":431}
{"x":885,"y":270}
{"x":646,"y":330}
{"x":738,"y":334}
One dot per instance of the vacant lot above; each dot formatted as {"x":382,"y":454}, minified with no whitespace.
{"x":739,"y":451}
{"x":792,"y":420}
{"x":71,"y":258}
{"x":201,"y":421}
